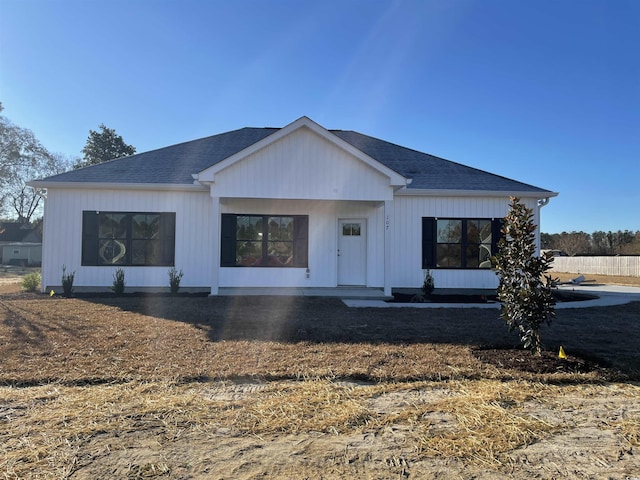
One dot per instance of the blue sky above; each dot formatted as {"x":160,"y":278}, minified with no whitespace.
{"x":545,"y":92}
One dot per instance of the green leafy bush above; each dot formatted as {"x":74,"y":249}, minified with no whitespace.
{"x":525,"y":287}
{"x":174,"y":279}
{"x":118,"y":282}
{"x":67,"y":282}
{"x":31,"y":281}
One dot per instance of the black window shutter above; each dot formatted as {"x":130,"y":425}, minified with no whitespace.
{"x":428,"y":242}
{"x":90,"y":226}
{"x":301,"y":241}
{"x":167,"y":239}
{"x":496,"y":234}
{"x":228,"y":240}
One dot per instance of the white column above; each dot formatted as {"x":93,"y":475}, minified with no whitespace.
{"x":388,"y":225}
{"x":44,"y":266}
{"x":215,"y":240}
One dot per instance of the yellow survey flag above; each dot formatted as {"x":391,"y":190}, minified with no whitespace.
{"x":52,"y":293}
{"x":561,"y":353}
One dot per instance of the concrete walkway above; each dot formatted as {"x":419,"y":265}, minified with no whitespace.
{"x":607,"y":295}
{"x":374,"y":297}
{"x":339,"y":292}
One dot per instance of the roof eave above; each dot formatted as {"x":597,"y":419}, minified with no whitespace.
{"x":425,"y":192}
{"x":180,"y":187}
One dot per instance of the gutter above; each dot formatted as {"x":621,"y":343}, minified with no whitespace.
{"x":543,"y":202}
{"x":177,"y":187}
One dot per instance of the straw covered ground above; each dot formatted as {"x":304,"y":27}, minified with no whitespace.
{"x":254,"y":387}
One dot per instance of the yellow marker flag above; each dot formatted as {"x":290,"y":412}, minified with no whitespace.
{"x":52,"y":293}
{"x":561,"y":353}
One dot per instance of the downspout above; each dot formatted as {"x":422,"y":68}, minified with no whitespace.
{"x":542,"y":202}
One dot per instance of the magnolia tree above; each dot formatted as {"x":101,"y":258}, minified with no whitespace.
{"x":525,"y":286}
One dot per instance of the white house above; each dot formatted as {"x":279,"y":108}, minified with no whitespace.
{"x":299,"y":206}
{"x":21,"y":253}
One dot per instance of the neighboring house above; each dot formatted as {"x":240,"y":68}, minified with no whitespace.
{"x":22,"y":254}
{"x":20,"y":244}
{"x":299,"y":206}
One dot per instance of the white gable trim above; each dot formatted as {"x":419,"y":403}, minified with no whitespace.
{"x":395,"y":179}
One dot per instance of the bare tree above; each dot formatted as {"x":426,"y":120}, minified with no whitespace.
{"x":574,"y":243}
{"x":23,"y":158}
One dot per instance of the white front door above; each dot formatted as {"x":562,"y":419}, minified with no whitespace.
{"x":352,"y":252}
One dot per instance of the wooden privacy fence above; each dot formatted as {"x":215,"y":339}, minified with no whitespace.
{"x":622,"y":266}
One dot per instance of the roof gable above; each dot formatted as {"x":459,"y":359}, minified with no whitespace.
{"x":208,"y":175}
{"x":302,"y":164}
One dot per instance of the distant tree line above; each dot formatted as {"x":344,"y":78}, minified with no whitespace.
{"x":625,"y":242}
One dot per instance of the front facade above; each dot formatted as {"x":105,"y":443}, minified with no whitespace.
{"x":299,"y":206}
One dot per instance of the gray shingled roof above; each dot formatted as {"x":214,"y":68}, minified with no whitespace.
{"x":431,"y":172}
{"x":175,"y":164}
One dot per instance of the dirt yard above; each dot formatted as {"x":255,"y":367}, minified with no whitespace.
{"x":255,"y":387}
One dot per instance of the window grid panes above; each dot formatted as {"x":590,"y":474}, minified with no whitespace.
{"x":351,"y":229}
{"x":265,"y":241}
{"x":122,"y":239}
{"x":463,"y":243}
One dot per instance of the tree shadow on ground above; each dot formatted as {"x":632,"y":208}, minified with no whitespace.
{"x":608,"y":334}
{"x":125,"y":325}
{"x":318,"y":320}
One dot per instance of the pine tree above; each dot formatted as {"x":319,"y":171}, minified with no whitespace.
{"x":104,"y":146}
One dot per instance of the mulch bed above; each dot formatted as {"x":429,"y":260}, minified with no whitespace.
{"x":560,"y":296}
{"x":546,"y":362}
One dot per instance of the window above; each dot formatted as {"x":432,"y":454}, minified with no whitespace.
{"x":264,"y":240}
{"x":459,"y":242}
{"x":351,"y":229}
{"x":128,"y":239}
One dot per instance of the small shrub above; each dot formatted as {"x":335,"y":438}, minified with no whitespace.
{"x":174,"y":279}
{"x":31,"y":281}
{"x":118,"y":282}
{"x":67,"y":282}
{"x":428,"y":285}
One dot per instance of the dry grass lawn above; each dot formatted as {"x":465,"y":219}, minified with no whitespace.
{"x":197,"y":387}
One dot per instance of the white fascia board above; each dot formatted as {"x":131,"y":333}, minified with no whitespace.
{"x":175,"y":187}
{"x":472,"y":193}
{"x":395,"y":179}
{"x":20,"y":244}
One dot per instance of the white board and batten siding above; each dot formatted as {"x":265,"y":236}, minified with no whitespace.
{"x":63,"y":235}
{"x":302,"y":165}
{"x":408,"y":211}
